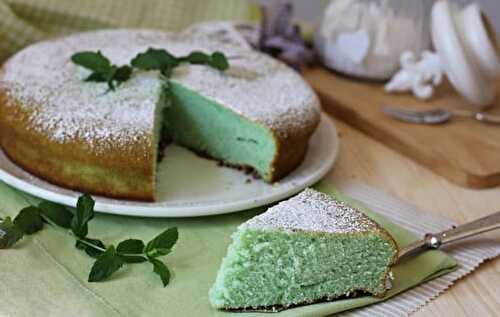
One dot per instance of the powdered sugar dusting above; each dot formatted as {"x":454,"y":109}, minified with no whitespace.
{"x":312,"y":211}
{"x":62,"y":106}
{"x":88,"y":112}
{"x":258,"y":88}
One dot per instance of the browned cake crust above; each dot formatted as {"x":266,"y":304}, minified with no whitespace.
{"x":114,"y":171}
{"x":291,"y":151}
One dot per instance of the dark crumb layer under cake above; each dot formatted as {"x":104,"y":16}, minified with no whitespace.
{"x":277,"y":309}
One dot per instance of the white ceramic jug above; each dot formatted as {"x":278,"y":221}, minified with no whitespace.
{"x":469,"y":53}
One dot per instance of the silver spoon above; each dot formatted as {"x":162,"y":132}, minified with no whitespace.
{"x":435,"y":241}
{"x":437,"y":116}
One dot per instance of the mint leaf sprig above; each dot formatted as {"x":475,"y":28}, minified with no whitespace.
{"x":151,"y":59}
{"x":9,"y":233}
{"x":102,"y":69}
{"x":108,"y":258}
{"x":165,"y":62}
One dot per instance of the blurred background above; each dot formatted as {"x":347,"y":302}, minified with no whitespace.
{"x":310,"y":11}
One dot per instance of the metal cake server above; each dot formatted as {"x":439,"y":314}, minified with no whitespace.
{"x":437,"y":116}
{"x":435,"y":241}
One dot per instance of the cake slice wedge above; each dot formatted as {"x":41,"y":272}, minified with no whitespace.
{"x":309,"y":248}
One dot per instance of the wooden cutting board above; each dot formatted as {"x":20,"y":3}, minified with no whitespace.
{"x":464,"y":151}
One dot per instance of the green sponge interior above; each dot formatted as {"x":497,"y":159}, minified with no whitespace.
{"x":205,"y":126}
{"x":274,"y":268}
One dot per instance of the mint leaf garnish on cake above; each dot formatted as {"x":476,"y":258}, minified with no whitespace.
{"x":216,"y":60}
{"x":309,"y":248}
{"x":219,"y":61}
{"x":162,"y":60}
{"x":93,"y":61}
{"x":151,"y":59}
{"x":155,"y":59}
{"x":102,"y":69}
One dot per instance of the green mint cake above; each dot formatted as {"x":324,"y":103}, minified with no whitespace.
{"x":259,"y":113}
{"x":309,"y":248}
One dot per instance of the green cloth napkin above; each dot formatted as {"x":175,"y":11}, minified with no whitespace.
{"x":44,"y":275}
{"x":23,"y":22}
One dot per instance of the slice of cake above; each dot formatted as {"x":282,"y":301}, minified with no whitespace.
{"x":311,"y":247}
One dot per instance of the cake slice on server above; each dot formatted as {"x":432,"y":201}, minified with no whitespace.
{"x":311,"y":247}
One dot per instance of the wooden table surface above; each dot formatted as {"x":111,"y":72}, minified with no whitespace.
{"x":367,"y":161}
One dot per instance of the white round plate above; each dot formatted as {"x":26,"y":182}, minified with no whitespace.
{"x":190,"y":186}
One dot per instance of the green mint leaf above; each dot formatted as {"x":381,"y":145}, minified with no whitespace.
{"x":155,"y":59}
{"x":103,"y":70}
{"x":133,"y":258}
{"x":56,"y":213}
{"x":109,"y":77}
{"x":219,"y":61}
{"x":122,"y":73}
{"x":151,"y":59}
{"x":9,"y":233}
{"x":147,"y":61}
{"x":84,"y":213}
{"x":111,"y":73}
{"x":157,"y":252}
{"x":162,"y":243}
{"x":130,"y":246}
{"x":167,"y":71}
{"x":162,"y":270}
{"x":93,"y":61}
{"x":105,"y":265}
{"x":198,"y":57}
{"x":29,"y":220}
{"x":111,"y":86}
{"x":92,"y":252}
{"x":97,"y":77}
